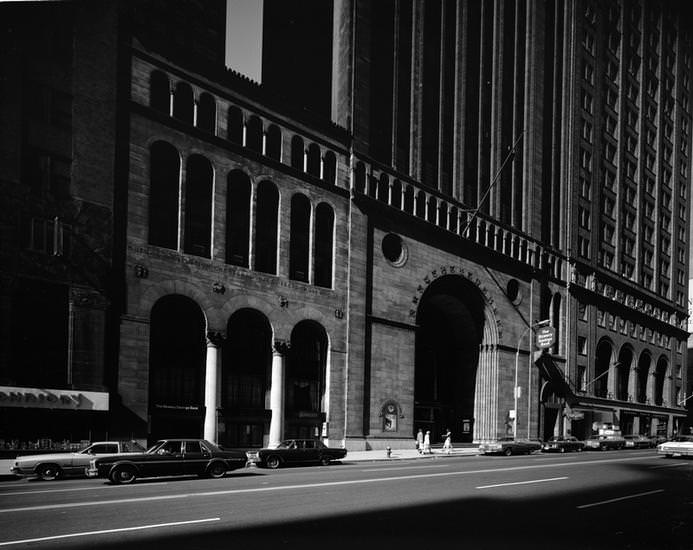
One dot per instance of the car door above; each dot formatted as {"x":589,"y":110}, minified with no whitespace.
{"x":311,"y":453}
{"x":195,"y":457}
{"x":167,"y":460}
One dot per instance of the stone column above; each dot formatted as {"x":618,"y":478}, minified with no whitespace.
{"x":212,"y":369}
{"x":279,"y":353}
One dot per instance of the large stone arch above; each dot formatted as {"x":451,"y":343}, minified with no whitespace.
{"x":456,"y":361}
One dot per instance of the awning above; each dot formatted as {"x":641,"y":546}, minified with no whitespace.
{"x":554,"y":374}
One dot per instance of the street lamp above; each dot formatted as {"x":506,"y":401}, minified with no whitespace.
{"x":542,"y":323}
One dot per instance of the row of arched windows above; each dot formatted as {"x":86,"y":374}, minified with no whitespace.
{"x":310,"y":259}
{"x":640,"y":381}
{"x":248,"y":132}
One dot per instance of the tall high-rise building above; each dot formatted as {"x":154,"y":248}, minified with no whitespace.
{"x":427,"y":214}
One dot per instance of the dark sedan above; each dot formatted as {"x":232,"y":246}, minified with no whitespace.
{"x":605,"y":442}
{"x":562,"y":444}
{"x":169,"y":457}
{"x":508,"y":446}
{"x":296,"y":451}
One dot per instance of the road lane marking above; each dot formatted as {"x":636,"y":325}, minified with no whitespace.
{"x":306,"y":486}
{"x":620,"y":498}
{"x":675,"y":465}
{"x":390,"y":468}
{"x":109,"y":531}
{"x":521,"y":482}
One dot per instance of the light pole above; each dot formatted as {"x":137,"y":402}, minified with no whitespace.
{"x":542,"y":323}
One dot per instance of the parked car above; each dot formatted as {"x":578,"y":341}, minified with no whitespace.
{"x":636,"y":441}
{"x":605,"y":442}
{"x":681,"y":445}
{"x":55,"y":465}
{"x":563,"y":444}
{"x":296,"y":451}
{"x":169,"y":457}
{"x":508,"y":446}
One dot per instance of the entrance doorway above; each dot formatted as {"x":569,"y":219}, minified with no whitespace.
{"x":451,"y":321}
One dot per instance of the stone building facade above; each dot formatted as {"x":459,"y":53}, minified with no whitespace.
{"x":366,"y":242}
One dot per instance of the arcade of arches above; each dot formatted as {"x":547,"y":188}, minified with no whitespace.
{"x":242,"y":390}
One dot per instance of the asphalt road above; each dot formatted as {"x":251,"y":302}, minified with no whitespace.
{"x":605,"y":500}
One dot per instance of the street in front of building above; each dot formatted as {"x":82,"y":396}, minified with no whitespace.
{"x":613,"y":499}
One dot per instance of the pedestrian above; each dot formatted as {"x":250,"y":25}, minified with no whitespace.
{"x":447,"y":446}
{"x":427,"y":443}
{"x":419,"y":441}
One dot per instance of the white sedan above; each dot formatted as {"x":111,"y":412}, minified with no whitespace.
{"x":52,"y":466}
{"x":681,"y":445}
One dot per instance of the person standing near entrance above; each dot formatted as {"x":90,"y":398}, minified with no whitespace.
{"x":447,"y":446}
{"x":419,"y":441}
{"x":427,"y":443}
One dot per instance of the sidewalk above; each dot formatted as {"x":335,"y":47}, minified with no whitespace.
{"x":352,"y":456}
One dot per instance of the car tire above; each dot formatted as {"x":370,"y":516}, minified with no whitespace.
{"x":508,"y":452}
{"x":273,"y":462}
{"x":325,"y":460}
{"x":48,"y":472}
{"x":122,"y":475}
{"x":216,"y":470}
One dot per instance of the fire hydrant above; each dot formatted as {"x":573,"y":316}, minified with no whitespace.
{"x":388,"y":450}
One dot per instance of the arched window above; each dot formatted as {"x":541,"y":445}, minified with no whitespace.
{"x":432,"y":209}
{"x":601,"y":368}
{"x":409,"y":200}
{"x":623,"y":367}
{"x":207,"y":113}
{"x":383,"y":188}
{"x":329,"y":168}
{"x":452,"y":220}
{"x":313,"y":160}
{"x":360,"y":177}
{"x":238,"y":218}
{"x":443,"y":214}
{"x":273,"y":148}
{"x":183,"y":103}
{"x":299,"y":238}
{"x":660,"y":377}
{"x":396,"y":198}
{"x":235,"y":125}
{"x":324,"y":239}
{"x":160,"y":92}
{"x":198,"y":206}
{"x":265,"y":248}
{"x":253,"y":134}
{"x":164,"y":183}
{"x":643,"y":376}
{"x":297,"y":153}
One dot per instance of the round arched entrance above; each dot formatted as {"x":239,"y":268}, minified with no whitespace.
{"x":450,"y":323}
{"x":245,"y":380}
{"x":177,"y":351}
{"x":306,"y":381}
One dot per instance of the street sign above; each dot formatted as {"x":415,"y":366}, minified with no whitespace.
{"x":545,"y":337}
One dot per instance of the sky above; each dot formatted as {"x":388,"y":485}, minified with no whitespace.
{"x":244,"y":37}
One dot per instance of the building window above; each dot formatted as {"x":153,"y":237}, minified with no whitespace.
{"x":183,"y":102}
{"x":297,"y":153}
{"x":324,"y":245}
{"x":254,"y":134}
{"x":266,"y":224}
{"x":198,"y":206}
{"x":273,"y":147}
{"x":238,"y":218}
{"x":235,"y":125}
{"x":160,"y":92}
{"x":329,"y":168}
{"x":164,"y":192}
{"x":299,"y":238}
{"x":207,"y":113}
{"x":313,"y":160}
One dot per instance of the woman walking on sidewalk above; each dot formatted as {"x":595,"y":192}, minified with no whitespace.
{"x":427,"y":443}
{"x":419,"y":441}
{"x":447,"y":446}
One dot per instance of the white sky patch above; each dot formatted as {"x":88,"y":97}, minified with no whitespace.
{"x":244,"y":37}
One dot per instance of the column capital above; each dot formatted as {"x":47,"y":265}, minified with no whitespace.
{"x":215,"y":338}
{"x":281,"y":347}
